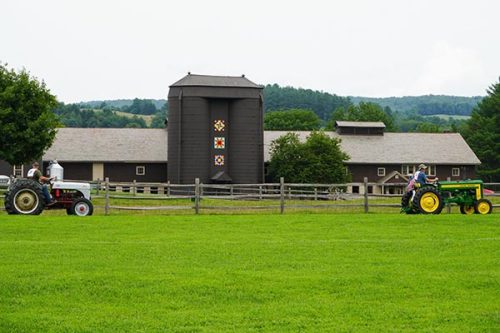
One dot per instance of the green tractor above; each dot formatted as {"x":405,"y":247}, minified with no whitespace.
{"x":431,"y":198}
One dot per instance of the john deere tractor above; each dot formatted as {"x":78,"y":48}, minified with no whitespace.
{"x":431,"y":198}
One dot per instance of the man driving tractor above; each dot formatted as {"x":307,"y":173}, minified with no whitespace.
{"x":420,"y":176}
{"x":419,"y":179}
{"x":35,"y":174}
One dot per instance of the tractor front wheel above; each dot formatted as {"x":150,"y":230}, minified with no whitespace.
{"x":81,"y":207}
{"x":467,"y":210}
{"x":428,"y":200}
{"x":483,"y":206}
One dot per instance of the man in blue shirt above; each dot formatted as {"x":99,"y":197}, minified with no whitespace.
{"x":421,"y":177}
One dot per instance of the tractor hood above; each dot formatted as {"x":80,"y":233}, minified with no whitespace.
{"x":84,"y":188}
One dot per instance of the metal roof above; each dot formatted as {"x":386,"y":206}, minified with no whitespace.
{"x":195,"y":80}
{"x":109,"y":145}
{"x":396,"y":148}
{"x":370,"y":124}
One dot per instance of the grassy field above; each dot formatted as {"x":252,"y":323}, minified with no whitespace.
{"x":250,"y":273}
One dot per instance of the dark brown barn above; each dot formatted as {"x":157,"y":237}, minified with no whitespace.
{"x":13,"y":170}
{"x":215,"y":130}
{"x":387,"y":158}
{"x":121,"y":154}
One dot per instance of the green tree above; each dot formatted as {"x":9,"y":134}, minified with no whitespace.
{"x":27,"y":123}
{"x":364,"y":112}
{"x":293,"y":120}
{"x":482,"y":133}
{"x":318,"y":160}
{"x":427,"y":127}
{"x":322,"y":103}
{"x":141,"y":106}
{"x":160,"y":117}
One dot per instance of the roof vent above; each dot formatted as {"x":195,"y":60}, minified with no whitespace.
{"x":360,"y":127}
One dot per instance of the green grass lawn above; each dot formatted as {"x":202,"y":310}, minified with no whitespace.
{"x":250,"y":273}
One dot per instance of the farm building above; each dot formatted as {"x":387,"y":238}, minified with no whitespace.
{"x":392,"y":157}
{"x":141,"y":154}
{"x":215,"y":130}
{"x":122,"y":154}
{"x":215,"y":133}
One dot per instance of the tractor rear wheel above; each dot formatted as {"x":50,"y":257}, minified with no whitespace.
{"x":483,"y":206}
{"x":428,"y":200}
{"x":467,"y":210}
{"x":81,"y":207}
{"x":24,"y":197}
{"x":406,"y":204}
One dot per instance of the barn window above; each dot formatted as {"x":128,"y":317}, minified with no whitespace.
{"x":140,"y":170}
{"x":18,"y":171}
{"x":355,"y":189}
{"x":381,"y":172}
{"x":431,"y":170}
{"x":408,"y":169}
{"x":455,"y":172}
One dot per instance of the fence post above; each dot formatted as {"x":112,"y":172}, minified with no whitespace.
{"x":135,"y":188}
{"x":106,"y":197}
{"x":231,"y":190}
{"x":98,"y":187}
{"x":282,"y":195}
{"x":197,"y":195}
{"x":448,"y":206}
{"x":260,"y":192}
{"x":365,"y":185}
{"x":315,"y":193}
{"x":168,"y":188}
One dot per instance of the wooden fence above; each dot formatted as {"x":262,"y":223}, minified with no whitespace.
{"x":285,"y":195}
{"x":278,"y":196}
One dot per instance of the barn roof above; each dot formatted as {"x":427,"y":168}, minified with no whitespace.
{"x":109,"y":145}
{"x":150,"y":145}
{"x":195,"y":80}
{"x":397,"y":148}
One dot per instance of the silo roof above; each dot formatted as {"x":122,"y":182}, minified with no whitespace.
{"x":195,"y":80}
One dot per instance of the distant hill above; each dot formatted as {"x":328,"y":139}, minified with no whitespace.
{"x":323,"y":103}
{"x":119,"y":103}
{"x":426,"y":105}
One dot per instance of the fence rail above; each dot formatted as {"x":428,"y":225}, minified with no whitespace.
{"x":277,"y":196}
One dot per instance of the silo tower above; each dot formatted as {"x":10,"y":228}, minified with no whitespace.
{"x":215,"y":130}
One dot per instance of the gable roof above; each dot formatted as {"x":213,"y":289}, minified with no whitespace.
{"x":396,"y":148}
{"x":393,"y":174}
{"x":151,"y":145}
{"x":109,"y":145}
{"x":195,"y":80}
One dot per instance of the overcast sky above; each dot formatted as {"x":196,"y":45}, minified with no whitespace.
{"x":109,"y":49}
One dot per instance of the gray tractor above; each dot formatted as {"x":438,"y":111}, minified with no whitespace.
{"x":25,"y":196}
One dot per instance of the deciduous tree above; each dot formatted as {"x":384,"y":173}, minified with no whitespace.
{"x":27,"y":123}
{"x":482,"y":133}
{"x":291,"y":120}
{"x":317,"y":160}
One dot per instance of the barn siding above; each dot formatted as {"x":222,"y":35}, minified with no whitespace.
{"x":126,"y":172}
{"x":195,"y":108}
{"x":5,"y":168}
{"x":359,"y":171}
